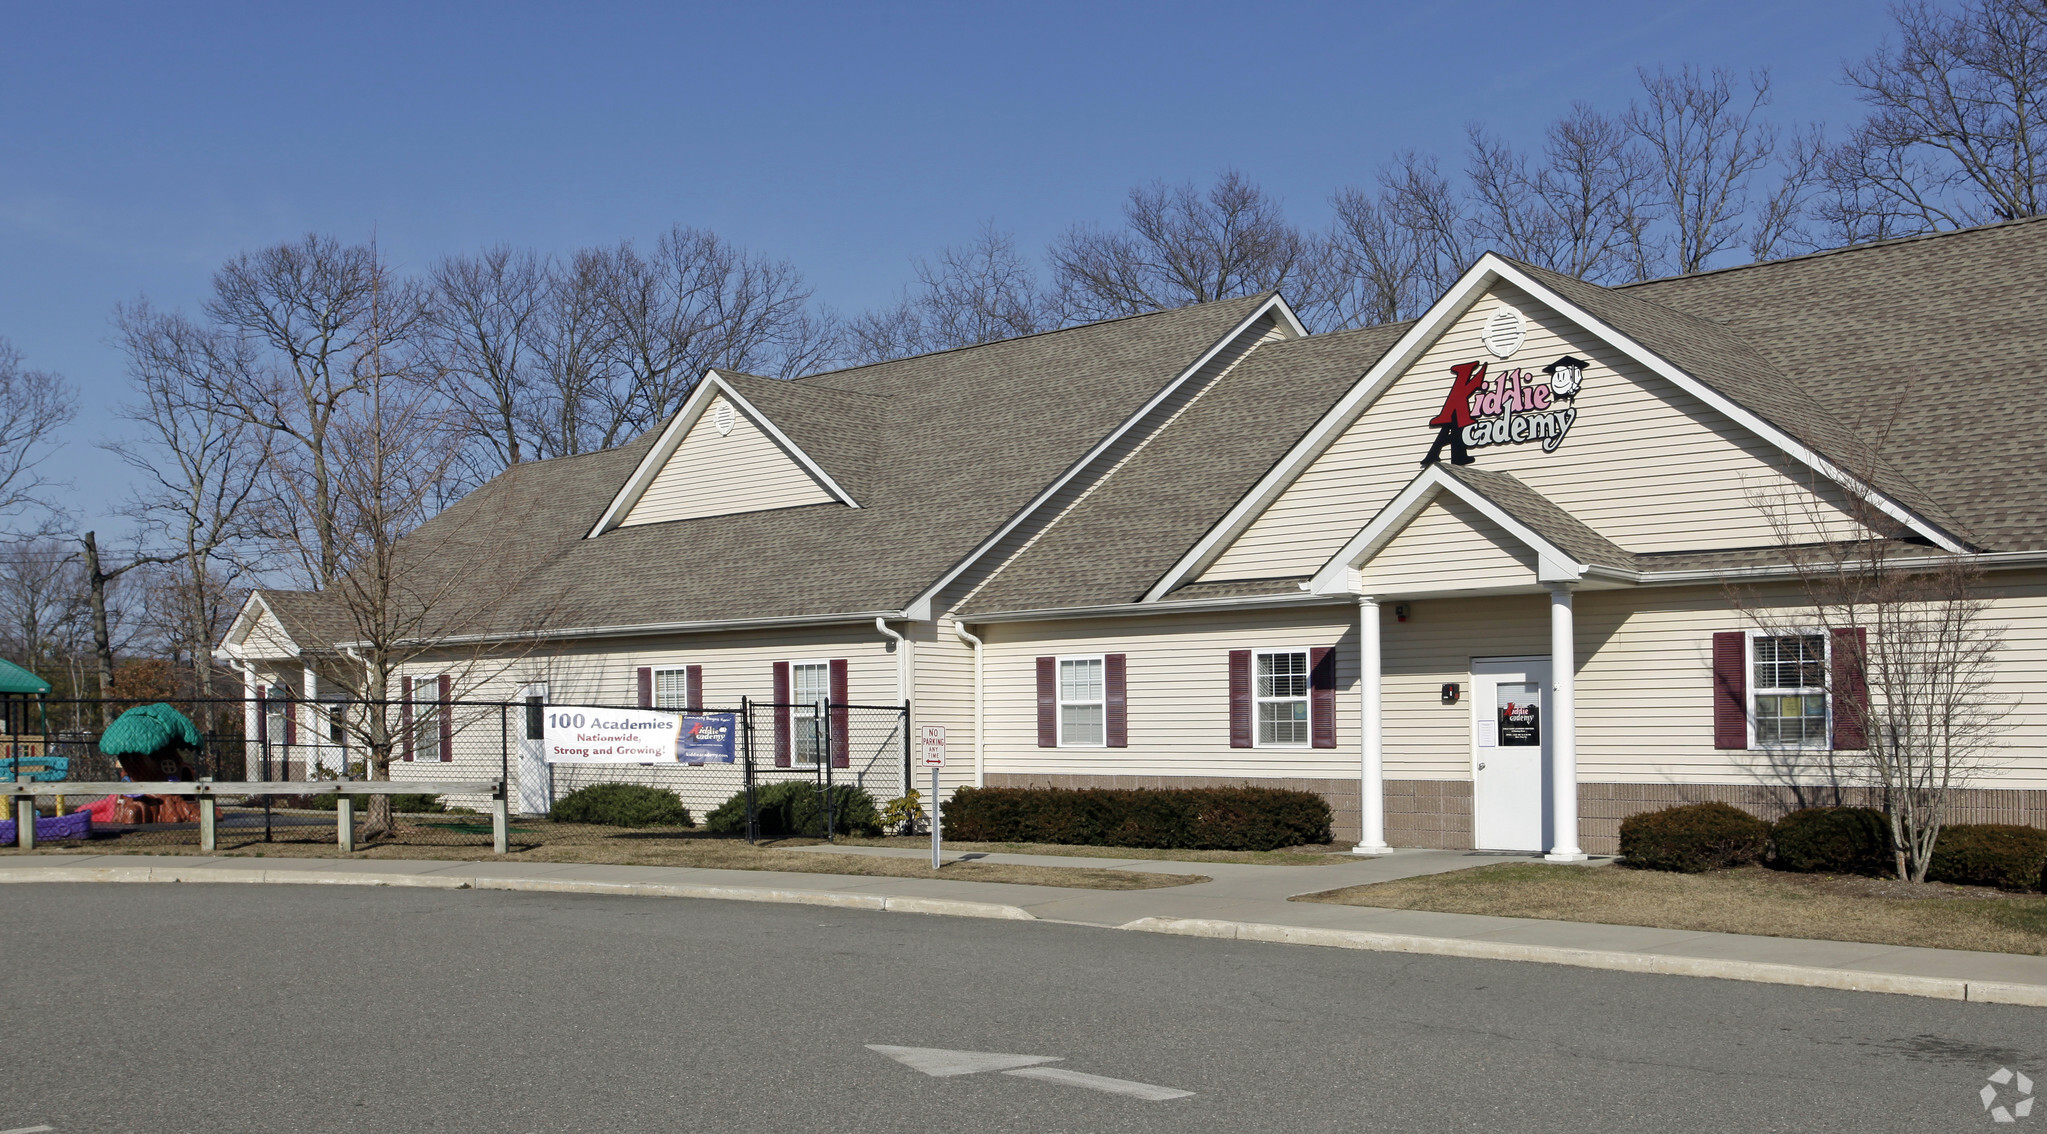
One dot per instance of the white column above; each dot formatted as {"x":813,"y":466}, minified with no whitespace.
{"x":1563,"y":718}
{"x":1371,"y":750}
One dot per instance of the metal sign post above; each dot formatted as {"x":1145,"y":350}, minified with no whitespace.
{"x":933,"y":738}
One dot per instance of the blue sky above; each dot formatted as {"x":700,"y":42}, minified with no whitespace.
{"x":141,"y":145}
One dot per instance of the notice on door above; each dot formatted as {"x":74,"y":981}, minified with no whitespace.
{"x":1519,"y":706}
{"x":578,"y":735}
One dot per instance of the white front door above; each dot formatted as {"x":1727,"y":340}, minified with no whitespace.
{"x":1510,"y":745}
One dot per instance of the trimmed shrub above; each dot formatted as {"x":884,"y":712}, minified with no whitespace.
{"x":622,"y":805}
{"x":1238,"y":818}
{"x":1834,"y":840}
{"x":1693,"y":839}
{"x":795,"y":808}
{"x":1989,"y":854}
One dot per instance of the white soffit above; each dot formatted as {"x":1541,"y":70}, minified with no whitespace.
{"x":709,"y":389}
{"x":1467,"y":291}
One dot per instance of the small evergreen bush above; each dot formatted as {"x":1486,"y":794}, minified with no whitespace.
{"x":1693,"y":838}
{"x":795,"y":808}
{"x":1989,"y":854}
{"x":1237,"y":818}
{"x":622,"y":805}
{"x":1834,"y":840}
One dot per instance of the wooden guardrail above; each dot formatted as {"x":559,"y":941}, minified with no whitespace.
{"x":208,"y":793}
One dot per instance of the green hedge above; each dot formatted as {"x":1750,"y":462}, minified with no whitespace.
{"x":795,"y":809}
{"x":1694,"y":838}
{"x":1834,"y":840}
{"x":1239,"y":818}
{"x":622,"y":805}
{"x":1989,"y":854}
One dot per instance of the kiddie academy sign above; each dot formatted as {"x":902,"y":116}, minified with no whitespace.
{"x":1511,"y":408}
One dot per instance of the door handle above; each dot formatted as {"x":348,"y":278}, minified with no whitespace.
{"x":1481,"y":765}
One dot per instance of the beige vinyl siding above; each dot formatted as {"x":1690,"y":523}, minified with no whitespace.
{"x":943,"y":694}
{"x":1017,"y":540}
{"x":713,"y":475}
{"x":1645,"y":464}
{"x":1177,"y":673}
{"x":1448,"y":544}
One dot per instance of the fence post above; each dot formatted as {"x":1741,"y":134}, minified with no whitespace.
{"x":827,"y":755}
{"x":344,"y":823}
{"x":500,"y":822}
{"x":209,"y":837}
{"x":25,"y":820}
{"x":752,"y":819}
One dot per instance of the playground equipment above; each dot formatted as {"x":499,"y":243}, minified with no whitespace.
{"x":153,"y":743}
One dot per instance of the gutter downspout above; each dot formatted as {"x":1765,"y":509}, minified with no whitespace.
{"x":980,"y":750}
{"x":902,"y":658}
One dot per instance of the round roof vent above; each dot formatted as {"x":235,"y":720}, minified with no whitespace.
{"x":722,"y":418}
{"x":1504,"y":332}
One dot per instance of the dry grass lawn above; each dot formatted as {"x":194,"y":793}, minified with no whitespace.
{"x":613,"y":847}
{"x":1746,"y":900}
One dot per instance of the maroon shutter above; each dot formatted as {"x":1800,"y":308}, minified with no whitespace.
{"x":1240,"y":698}
{"x":646,"y":687}
{"x":262,"y":713}
{"x":1115,"y":701}
{"x":1322,"y":697}
{"x":1730,"y":689}
{"x":1048,"y":702}
{"x":291,"y":718}
{"x":842,"y":748}
{"x":782,"y":722}
{"x":447,"y":718}
{"x":693,"y":686}
{"x":405,"y":718}
{"x":1851,"y":689}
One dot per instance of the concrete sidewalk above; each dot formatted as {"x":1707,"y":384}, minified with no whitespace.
{"x":1242,"y":902}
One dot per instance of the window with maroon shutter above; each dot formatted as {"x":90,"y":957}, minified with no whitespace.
{"x":678,"y":687}
{"x":447,"y":714}
{"x":1322,"y":696}
{"x":693,"y":685}
{"x":1787,"y":692}
{"x":842,"y":746}
{"x":1240,"y":698}
{"x":1730,"y":689}
{"x":646,"y":687}
{"x":1116,"y":700}
{"x":1048,"y":702}
{"x":1851,"y":689}
{"x":405,"y":718}
{"x":783,"y":722}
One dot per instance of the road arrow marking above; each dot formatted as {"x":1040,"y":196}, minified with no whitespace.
{"x":29,"y":1130}
{"x":1101,"y":1083}
{"x":940,"y":1063}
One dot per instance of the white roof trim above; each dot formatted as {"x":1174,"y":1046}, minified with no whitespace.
{"x":1339,"y":574}
{"x":245,"y":622}
{"x":1468,"y":289}
{"x":919,"y":608}
{"x":712,"y":385}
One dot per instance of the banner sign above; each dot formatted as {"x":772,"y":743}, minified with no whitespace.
{"x":707,"y":738}
{"x":578,"y":735}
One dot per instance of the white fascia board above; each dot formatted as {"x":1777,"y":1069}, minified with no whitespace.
{"x":699,"y":400}
{"x":920,"y":608}
{"x":1463,"y":294}
{"x":1160,"y":609}
{"x":1338,"y":575}
{"x":630,"y":630}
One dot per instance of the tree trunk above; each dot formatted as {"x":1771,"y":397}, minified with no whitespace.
{"x":102,"y":639}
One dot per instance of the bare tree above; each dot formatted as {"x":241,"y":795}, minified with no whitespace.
{"x":487,"y":311}
{"x":1957,"y":131}
{"x":571,"y":339}
{"x":42,"y":592}
{"x":1178,"y":246}
{"x":969,"y":294}
{"x":303,"y":312}
{"x":34,"y":405}
{"x":1581,"y":212}
{"x":1899,"y":634}
{"x":198,"y":501}
{"x":1705,"y":145}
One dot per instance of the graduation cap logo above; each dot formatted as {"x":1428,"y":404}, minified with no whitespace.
{"x":1565,"y":376}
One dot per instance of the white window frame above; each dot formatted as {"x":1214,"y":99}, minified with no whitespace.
{"x":1307,"y":697}
{"x":1060,"y":702}
{"x":681,"y":676}
{"x":1754,"y":689}
{"x":426,"y":729}
{"x":800,"y":718}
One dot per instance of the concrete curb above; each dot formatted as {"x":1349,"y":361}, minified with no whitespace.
{"x":443,"y":881}
{"x":1852,"y":980}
